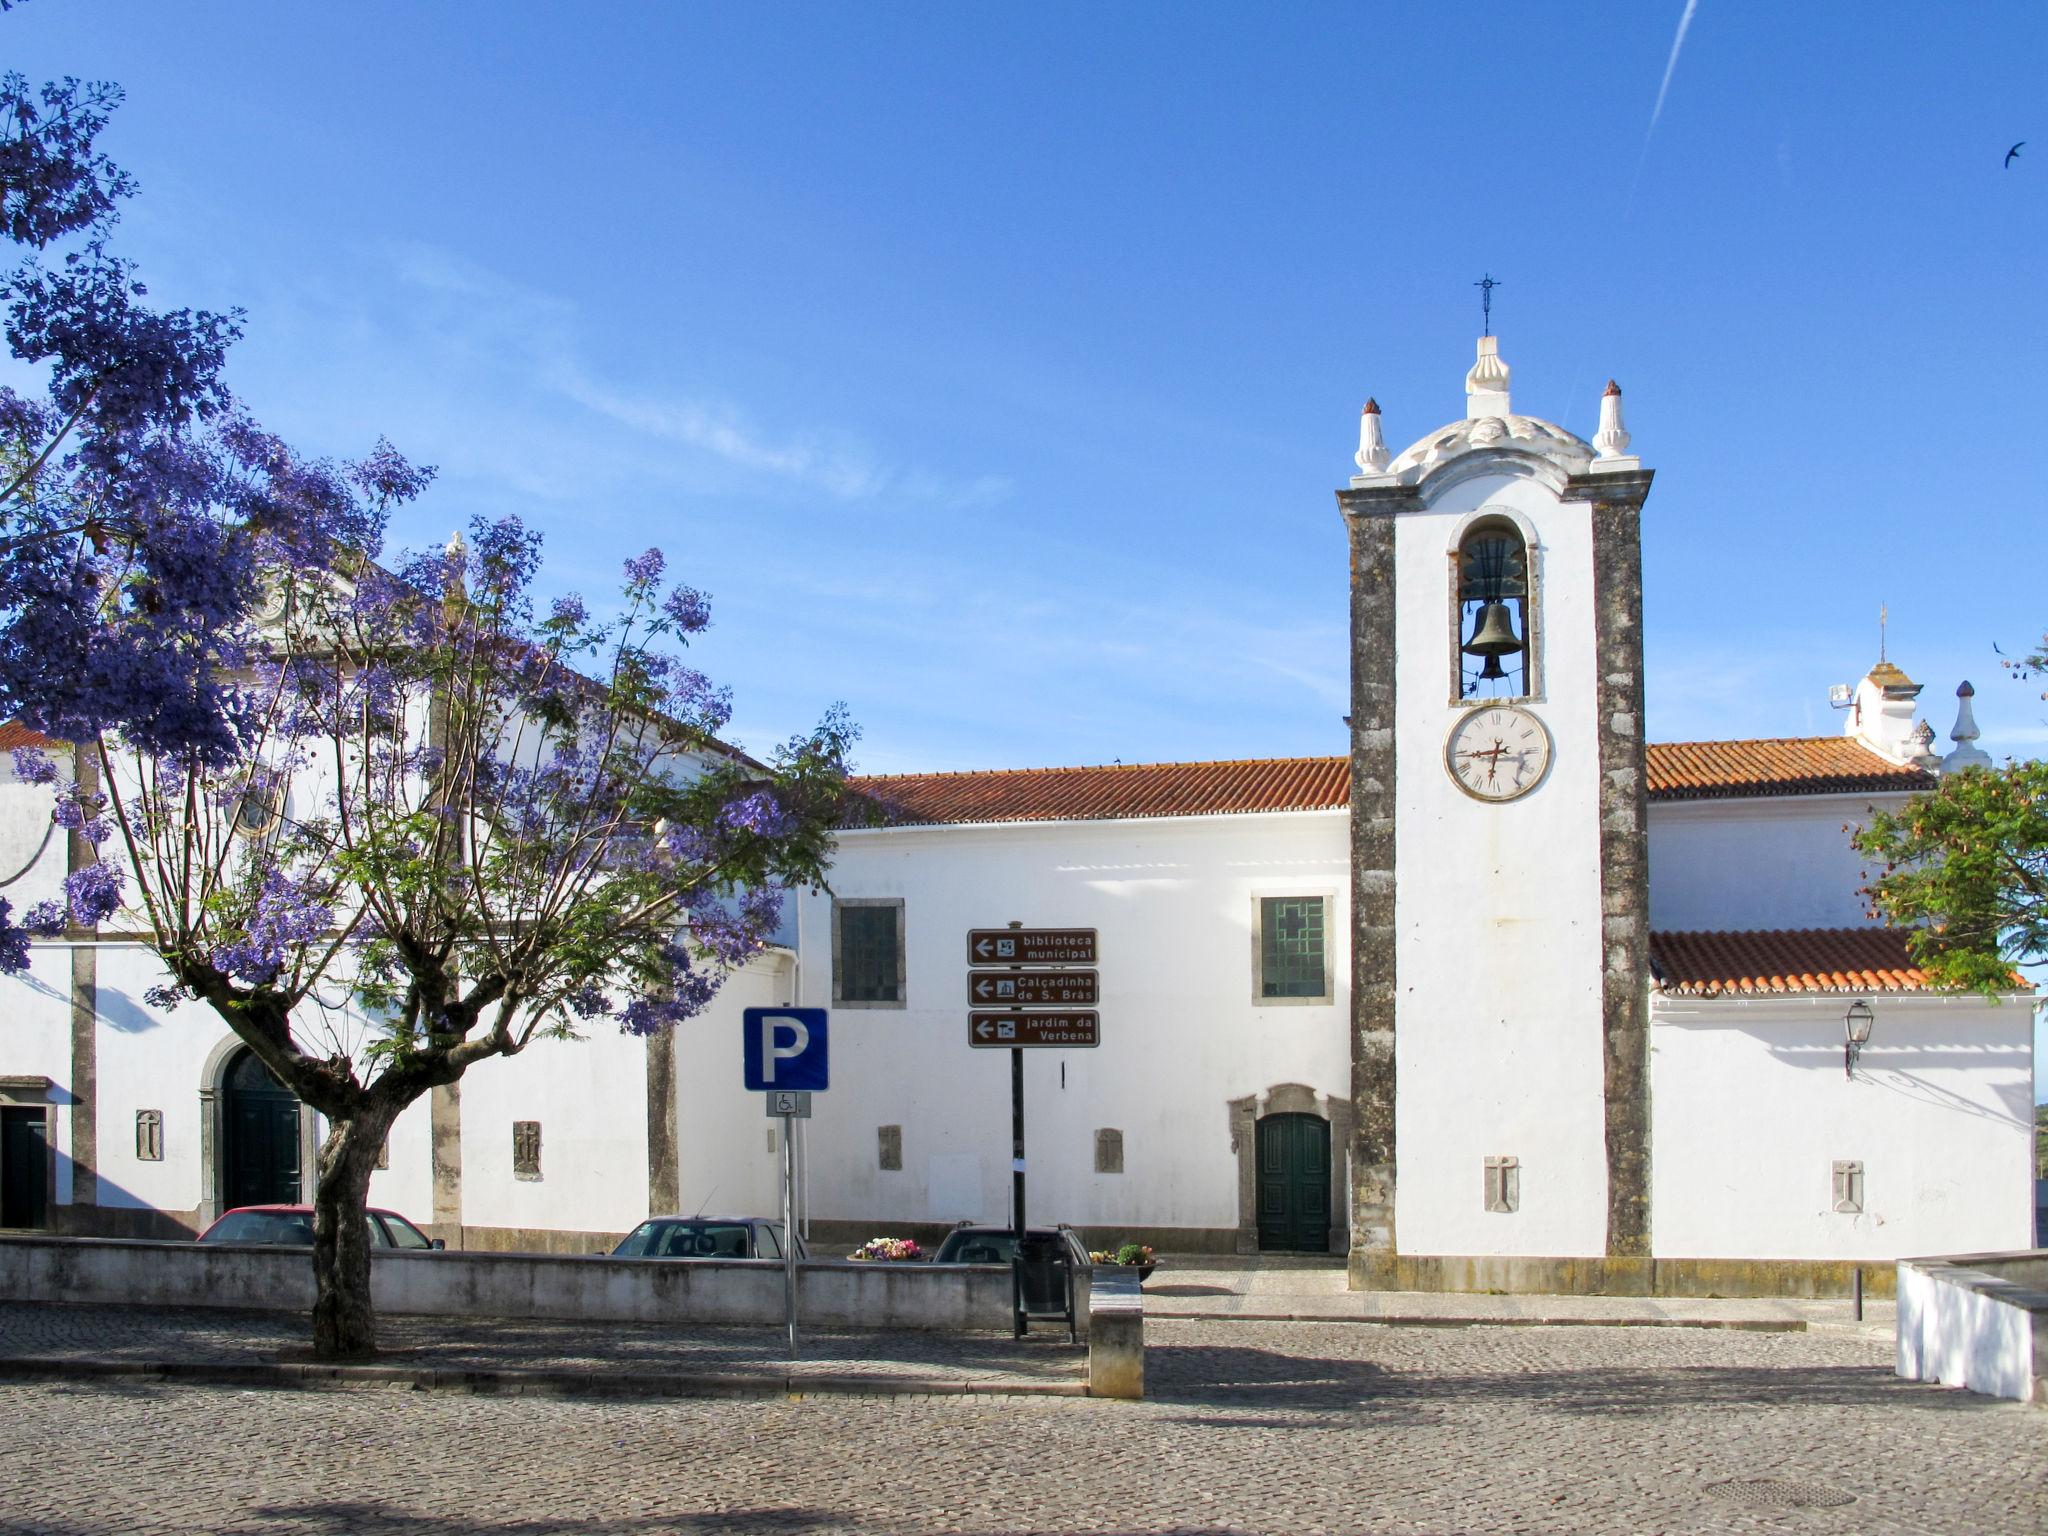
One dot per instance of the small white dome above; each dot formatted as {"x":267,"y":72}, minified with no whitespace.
{"x":1525,"y":433}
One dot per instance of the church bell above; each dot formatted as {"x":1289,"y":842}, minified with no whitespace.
{"x":1493,"y":636}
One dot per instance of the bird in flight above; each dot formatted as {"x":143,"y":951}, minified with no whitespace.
{"x":2011,"y":153}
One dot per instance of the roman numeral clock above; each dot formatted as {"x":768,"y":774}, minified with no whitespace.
{"x":1497,"y":753}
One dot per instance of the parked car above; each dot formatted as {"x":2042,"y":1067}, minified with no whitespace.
{"x":291,"y":1226}
{"x":969,"y":1244}
{"x":706,"y":1237}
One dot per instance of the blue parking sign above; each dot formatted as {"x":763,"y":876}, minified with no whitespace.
{"x":784,"y":1049}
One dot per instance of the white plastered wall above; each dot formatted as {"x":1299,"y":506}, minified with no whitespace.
{"x":729,"y":1163}
{"x":1752,"y":1110}
{"x":1783,"y":862}
{"x":1181,"y":1035}
{"x":1497,"y":910}
{"x":590,"y":1097}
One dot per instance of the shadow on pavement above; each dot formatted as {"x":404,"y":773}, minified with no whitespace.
{"x":1200,"y":1375}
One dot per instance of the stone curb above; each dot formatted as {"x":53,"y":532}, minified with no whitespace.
{"x":1734,"y":1324}
{"x":521,"y":1382}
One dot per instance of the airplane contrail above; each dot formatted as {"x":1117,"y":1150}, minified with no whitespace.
{"x":1670,"y":66}
{"x":1663,"y":90}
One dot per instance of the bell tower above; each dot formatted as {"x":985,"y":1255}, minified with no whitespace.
{"x":1499,"y":858}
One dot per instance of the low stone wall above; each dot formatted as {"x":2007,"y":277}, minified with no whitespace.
{"x":830,"y":1293}
{"x":1978,"y":1321}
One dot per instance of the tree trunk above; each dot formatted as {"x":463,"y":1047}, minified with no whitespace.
{"x":344,"y":1322}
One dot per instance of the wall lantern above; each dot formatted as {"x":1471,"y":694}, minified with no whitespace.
{"x":1855,"y":1034}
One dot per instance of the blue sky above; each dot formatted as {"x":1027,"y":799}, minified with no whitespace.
{"x":993,"y":367}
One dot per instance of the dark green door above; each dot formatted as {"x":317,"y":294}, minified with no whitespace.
{"x":24,"y":1167}
{"x":262,"y":1123}
{"x":1294,"y":1184}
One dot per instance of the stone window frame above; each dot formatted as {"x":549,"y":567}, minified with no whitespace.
{"x":1532,"y":608}
{"x":149,"y":1135}
{"x":1327,"y":894}
{"x":1504,"y":1184}
{"x":901,"y":1000}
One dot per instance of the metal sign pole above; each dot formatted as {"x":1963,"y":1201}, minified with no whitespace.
{"x":789,"y":1229}
{"x":1017,"y":1186}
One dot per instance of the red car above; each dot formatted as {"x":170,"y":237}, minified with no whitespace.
{"x":291,"y":1226}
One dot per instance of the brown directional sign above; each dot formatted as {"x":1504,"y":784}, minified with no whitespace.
{"x":1031,"y":946}
{"x":1010,"y":1031}
{"x":1031,"y":989}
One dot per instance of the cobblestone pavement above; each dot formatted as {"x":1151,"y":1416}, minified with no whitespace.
{"x":219,"y":1337}
{"x":1267,"y":1427}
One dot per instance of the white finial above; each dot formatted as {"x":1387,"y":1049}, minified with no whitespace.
{"x":1967,"y":754}
{"x":1486,"y":384}
{"x":1612,"y":440}
{"x":1372,"y":455}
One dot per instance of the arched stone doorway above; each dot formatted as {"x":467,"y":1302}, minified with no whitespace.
{"x":1291,"y":1146}
{"x":257,"y":1139}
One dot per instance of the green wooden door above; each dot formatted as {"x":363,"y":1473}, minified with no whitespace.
{"x":262,"y":1124}
{"x":1294,"y":1184}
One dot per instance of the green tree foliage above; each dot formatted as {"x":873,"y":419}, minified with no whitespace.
{"x":1965,"y":867}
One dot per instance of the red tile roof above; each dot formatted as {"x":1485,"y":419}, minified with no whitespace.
{"x":1685,"y":770}
{"x":1795,"y":765}
{"x":1117,"y":792}
{"x":14,"y":736}
{"x":1784,"y":960}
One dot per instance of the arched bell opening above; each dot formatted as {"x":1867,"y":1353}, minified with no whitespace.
{"x":1493,"y":612}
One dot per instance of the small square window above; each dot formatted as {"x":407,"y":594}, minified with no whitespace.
{"x":1849,"y":1188}
{"x":867,"y":953}
{"x":1504,"y":1184}
{"x":1293,"y":955}
{"x":149,"y":1135}
{"x":525,"y":1149}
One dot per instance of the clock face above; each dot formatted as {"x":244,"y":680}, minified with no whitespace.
{"x":1498,"y":753}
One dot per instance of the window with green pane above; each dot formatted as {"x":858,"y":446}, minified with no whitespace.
{"x":870,"y":952}
{"x":1291,"y":954}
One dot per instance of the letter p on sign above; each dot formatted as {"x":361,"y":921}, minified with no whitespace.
{"x":785,"y":1049}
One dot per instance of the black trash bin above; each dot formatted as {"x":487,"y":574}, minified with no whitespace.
{"x":1043,"y":1284}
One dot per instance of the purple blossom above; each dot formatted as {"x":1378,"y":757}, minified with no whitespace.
{"x":45,"y":919}
{"x":759,"y":813}
{"x":688,"y":609}
{"x":569,"y":612}
{"x":284,"y":916}
{"x":94,"y":893}
{"x":645,"y":570}
{"x":32,"y":765}
{"x":13,"y":944}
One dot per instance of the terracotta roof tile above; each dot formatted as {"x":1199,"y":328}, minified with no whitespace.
{"x":14,"y":736}
{"x":1117,"y":792}
{"x":1796,"y":765}
{"x":1784,"y":960}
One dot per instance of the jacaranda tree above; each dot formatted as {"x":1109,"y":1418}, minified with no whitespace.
{"x":1965,"y":867}
{"x":384,"y":818}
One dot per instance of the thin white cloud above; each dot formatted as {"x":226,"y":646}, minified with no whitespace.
{"x":539,"y":330}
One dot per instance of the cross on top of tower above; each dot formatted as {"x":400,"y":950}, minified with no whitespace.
{"x":1486,"y":285}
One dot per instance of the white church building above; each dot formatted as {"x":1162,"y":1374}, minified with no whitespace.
{"x":1503,"y":999}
